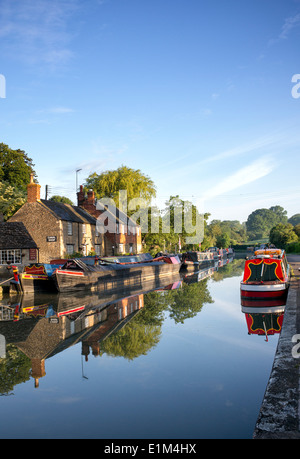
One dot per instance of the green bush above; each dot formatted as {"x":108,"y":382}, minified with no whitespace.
{"x":293,"y":247}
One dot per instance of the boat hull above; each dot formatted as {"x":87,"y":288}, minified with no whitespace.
{"x":112,"y":278}
{"x":37,"y":278}
{"x":31,"y":283}
{"x":264,"y":291}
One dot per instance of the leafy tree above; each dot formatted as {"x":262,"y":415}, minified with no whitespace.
{"x":281,"y":213}
{"x":297,"y":229}
{"x":109,"y":183}
{"x":15,"y":167}
{"x":11,"y":199}
{"x":261,"y":221}
{"x":283,"y":234}
{"x":179,"y":220}
{"x":294,"y":220}
{"x":235,"y":231}
{"x":223,"y":240}
{"x":62,"y":199}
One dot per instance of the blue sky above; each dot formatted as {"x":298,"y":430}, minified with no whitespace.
{"x":196,"y":94}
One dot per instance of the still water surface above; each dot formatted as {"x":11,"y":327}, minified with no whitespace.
{"x":173,"y":363}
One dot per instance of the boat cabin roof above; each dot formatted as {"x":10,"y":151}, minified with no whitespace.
{"x":269,"y":253}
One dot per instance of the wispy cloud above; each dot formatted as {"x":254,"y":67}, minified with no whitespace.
{"x":289,"y":24}
{"x":243,"y":149}
{"x":248,"y":174}
{"x":254,"y":147}
{"x":37,"y":32}
{"x":56,"y":110}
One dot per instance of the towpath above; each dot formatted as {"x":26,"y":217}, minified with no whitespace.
{"x":279,"y":415}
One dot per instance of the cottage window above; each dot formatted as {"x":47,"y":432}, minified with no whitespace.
{"x":70,"y":229}
{"x":83,"y":229}
{"x":70,"y":249}
{"x":10,"y":256}
{"x":98,"y":249}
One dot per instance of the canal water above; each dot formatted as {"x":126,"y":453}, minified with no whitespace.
{"x":177,"y":362}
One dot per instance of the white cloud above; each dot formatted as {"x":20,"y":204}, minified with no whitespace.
{"x":59,"y":110}
{"x":289,"y":24}
{"x":37,"y":32}
{"x":254,"y":171}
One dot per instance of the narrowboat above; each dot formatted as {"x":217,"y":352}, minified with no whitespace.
{"x":77,"y":275}
{"x":266,"y":275}
{"x":221,"y":253}
{"x":38,"y":278}
{"x":196,"y":259}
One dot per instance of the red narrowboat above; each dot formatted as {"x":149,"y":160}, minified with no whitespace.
{"x":266,"y":275}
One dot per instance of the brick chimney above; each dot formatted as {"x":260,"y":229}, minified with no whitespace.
{"x":33,"y":191}
{"x":87,"y":202}
{"x":80,"y":197}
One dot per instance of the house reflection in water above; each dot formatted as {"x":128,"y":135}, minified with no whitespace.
{"x":118,"y":315}
{"x":41,"y":329}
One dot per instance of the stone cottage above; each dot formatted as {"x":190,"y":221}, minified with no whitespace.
{"x":58,"y":229}
{"x":16,"y":246}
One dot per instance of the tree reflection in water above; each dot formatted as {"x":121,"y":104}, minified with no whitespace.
{"x":144,"y":331}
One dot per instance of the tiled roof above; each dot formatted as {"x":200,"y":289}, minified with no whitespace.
{"x":14,"y":235}
{"x":69,"y":213}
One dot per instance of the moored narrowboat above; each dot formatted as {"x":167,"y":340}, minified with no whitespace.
{"x":76,"y":275}
{"x":266,"y":275}
{"x":38,"y":278}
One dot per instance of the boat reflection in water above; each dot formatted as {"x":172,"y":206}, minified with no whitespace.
{"x":264,"y":317}
{"x":43,"y":325}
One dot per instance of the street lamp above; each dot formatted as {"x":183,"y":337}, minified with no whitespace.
{"x":77,"y":170}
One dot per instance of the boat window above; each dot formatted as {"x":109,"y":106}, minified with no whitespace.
{"x":269,"y":272}
{"x":262,"y":272}
{"x":255,"y":272}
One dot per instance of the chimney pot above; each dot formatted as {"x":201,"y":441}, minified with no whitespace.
{"x":33,"y":191}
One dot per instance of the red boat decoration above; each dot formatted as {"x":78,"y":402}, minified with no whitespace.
{"x":264,"y":324}
{"x":266,"y":275}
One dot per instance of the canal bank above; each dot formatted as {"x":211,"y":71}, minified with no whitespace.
{"x":279,"y":416}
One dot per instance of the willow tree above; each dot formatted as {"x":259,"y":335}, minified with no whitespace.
{"x":109,"y":183}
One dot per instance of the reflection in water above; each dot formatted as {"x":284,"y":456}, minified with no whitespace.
{"x":264,"y":317}
{"x":128,"y":323}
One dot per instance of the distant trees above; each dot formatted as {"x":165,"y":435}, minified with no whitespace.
{"x":172,"y":227}
{"x":261,"y":221}
{"x":225,"y":233}
{"x":283,"y":234}
{"x":63,"y":199}
{"x":294,"y":220}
